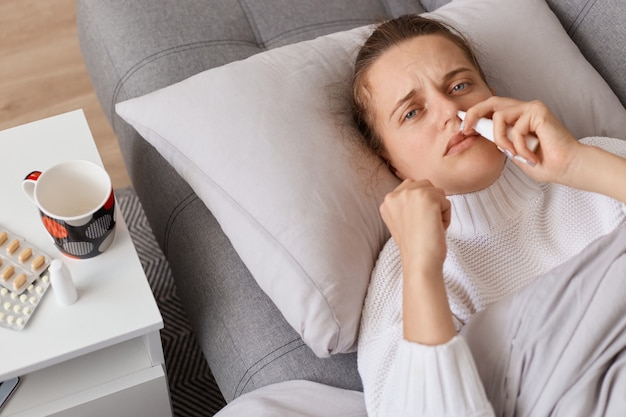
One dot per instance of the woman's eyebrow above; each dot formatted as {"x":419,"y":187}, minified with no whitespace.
{"x":401,"y":102}
{"x":456,"y":72}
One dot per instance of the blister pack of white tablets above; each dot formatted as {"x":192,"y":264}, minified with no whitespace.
{"x":16,"y":309}
{"x":20,"y":262}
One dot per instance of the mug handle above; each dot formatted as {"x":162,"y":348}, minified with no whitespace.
{"x":28,"y":185}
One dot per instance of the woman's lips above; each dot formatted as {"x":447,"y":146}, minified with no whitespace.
{"x":459,"y":143}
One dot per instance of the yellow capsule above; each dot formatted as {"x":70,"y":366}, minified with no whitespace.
{"x":13,"y":246}
{"x":7,"y":273}
{"x":19,"y":282}
{"x":25,"y":255}
{"x":38,"y":262}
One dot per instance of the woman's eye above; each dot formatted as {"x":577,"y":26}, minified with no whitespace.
{"x":459,"y":87}
{"x":410,"y":115}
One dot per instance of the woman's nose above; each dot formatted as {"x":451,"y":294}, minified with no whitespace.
{"x":446,"y":110}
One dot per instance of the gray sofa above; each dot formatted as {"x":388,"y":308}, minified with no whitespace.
{"x":134,"y":47}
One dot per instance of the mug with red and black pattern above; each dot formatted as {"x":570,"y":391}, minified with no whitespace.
{"x":77,"y":206}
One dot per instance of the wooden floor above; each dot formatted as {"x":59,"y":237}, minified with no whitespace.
{"x":42,"y":73}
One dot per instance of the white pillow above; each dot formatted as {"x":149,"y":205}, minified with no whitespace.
{"x":262,"y":144}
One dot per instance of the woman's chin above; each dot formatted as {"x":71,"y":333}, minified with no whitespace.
{"x":475,"y":174}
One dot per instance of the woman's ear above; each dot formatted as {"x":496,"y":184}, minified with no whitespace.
{"x":396,"y":172}
{"x":391,"y":167}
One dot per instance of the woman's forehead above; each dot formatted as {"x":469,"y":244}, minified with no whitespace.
{"x":424,"y":53}
{"x":431,"y":57}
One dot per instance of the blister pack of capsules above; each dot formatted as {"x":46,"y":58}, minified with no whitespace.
{"x":20,"y":262}
{"x":23,"y":279}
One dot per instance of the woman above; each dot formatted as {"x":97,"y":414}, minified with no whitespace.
{"x":469,"y":225}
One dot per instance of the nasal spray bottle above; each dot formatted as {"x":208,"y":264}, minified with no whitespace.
{"x":484,"y":126}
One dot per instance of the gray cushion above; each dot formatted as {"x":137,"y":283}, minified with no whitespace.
{"x":598,"y":28}
{"x":431,"y":5}
{"x":132,"y":48}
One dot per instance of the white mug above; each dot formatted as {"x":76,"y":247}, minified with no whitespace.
{"x":77,"y":206}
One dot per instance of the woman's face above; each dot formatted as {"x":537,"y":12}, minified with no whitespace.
{"x":416,"y":89}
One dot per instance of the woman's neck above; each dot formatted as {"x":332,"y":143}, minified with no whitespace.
{"x":493,"y":208}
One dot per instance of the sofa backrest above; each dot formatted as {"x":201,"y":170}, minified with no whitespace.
{"x":597,"y":27}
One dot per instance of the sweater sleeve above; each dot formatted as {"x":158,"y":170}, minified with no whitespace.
{"x":402,"y":378}
{"x":614,"y":145}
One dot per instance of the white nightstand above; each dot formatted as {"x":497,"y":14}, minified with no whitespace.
{"x":101,"y":356}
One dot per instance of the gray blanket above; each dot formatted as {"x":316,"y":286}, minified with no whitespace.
{"x":558,"y":347}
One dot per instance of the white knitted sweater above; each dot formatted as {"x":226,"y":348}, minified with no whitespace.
{"x":499,"y":240}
